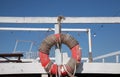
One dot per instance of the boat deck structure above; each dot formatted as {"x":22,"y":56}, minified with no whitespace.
{"x":24,"y":65}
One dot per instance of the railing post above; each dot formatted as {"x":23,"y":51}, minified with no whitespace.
{"x":90,"y":45}
{"x":15,"y":46}
{"x":103,"y":60}
{"x":117,"y":58}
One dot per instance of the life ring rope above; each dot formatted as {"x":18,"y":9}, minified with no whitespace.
{"x":59,"y":39}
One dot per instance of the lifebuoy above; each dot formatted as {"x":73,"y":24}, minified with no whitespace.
{"x":52,"y":68}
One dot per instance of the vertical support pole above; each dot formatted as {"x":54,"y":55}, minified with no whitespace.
{"x":117,"y":58}
{"x":103,"y":60}
{"x":30,"y":50}
{"x":31,"y":47}
{"x":90,"y":45}
{"x":58,"y":59}
{"x":15,"y":46}
{"x":58,"y":54}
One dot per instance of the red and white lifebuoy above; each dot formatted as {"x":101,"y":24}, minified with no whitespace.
{"x":51,"y":67}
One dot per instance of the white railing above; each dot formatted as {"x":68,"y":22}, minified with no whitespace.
{"x":103,"y":57}
{"x":28,"y":55}
{"x":34,"y":55}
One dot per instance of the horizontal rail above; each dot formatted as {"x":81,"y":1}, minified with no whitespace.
{"x":107,"y":55}
{"x":39,"y":29}
{"x":51,"y":20}
{"x":116,"y":54}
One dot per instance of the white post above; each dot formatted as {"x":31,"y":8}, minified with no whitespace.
{"x":117,"y":58}
{"x":30,"y":52}
{"x":90,"y":45}
{"x":58,"y":59}
{"x":31,"y":47}
{"x":103,"y":60}
{"x":15,"y":46}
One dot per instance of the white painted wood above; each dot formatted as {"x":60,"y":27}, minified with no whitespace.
{"x":40,"y":29}
{"x":54,"y":20}
{"x":36,"y":68}
{"x":21,"y":68}
{"x":100,"y":68}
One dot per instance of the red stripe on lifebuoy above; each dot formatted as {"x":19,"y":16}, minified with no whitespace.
{"x":62,"y":70}
{"x":44,"y":58}
{"x":57,"y":37}
{"x":54,"y":69}
{"x":76,"y":53}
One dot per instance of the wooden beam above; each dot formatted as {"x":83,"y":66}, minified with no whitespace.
{"x":52,"y":20}
{"x":40,"y":29}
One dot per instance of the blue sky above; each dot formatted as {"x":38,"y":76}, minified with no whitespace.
{"x":107,"y":35}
